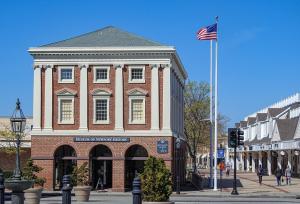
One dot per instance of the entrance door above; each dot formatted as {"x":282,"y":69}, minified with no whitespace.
{"x":135,"y":157}
{"x":101,"y":167}
{"x":64,"y":161}
{"x":264,"y":162}
{"x":101,"y":174}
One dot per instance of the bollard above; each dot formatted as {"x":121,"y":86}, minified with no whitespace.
{"x":66,"y":190}
{"x":2,"y":188}
{"x":136,"y":191}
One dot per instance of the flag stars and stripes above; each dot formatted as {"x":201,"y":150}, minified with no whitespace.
{"x":208,"y":33}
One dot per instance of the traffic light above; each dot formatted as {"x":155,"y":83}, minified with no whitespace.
{"x":240,"y":138}
{"x":232,"y":137}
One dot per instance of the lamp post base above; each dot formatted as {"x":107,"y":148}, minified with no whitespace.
{"x":234,"y":192}
{"x":17,"y":197}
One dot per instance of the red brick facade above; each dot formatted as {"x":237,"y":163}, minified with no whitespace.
{"x":83,"y":149}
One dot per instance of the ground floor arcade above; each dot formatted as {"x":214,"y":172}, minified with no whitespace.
{"x":113,"y":161}
{"x":249,"y":161}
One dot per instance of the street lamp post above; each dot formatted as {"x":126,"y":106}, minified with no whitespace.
{"x":16,"y":184}
{"x":178,"y":143}
{"x":18,"y":122}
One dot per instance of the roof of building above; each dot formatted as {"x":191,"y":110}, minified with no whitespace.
{"x":274,"y":111}
{"x":243,"y":123}
{"x":261,"y":117}
{"x":237,"y":125}
{"x":251,"y":120}
{"x":106,"y":37}
{"x":287,"y":128}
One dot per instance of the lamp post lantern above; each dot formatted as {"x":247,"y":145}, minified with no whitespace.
{"x":18,"y":122}
{"x":177,"y":144}
{"x":16,"y":184}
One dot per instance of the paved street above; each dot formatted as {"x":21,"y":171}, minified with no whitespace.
{"x":249,"y":192}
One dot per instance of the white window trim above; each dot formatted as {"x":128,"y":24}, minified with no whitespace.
{"x":94,"y":110}
{"x":132,"y":81}
{"x":130,"y":110}
{"x":65,"y":81}
{"x":103,"y":81}
{"x":60,"y":98}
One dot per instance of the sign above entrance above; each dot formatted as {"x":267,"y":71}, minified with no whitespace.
{"x":162,"y":146}
{"x":101,"y":139}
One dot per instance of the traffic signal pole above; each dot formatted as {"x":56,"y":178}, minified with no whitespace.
{"x":234,"y":190}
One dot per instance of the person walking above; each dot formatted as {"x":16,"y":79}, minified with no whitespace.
{"x":278,"y":174}
{"x":260,"y":173}
{"x":288,"y":174}
{"x":228,"y":167}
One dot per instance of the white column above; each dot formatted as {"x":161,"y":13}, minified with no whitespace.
{"x":279,"y":159}
{"x":154,"y":97}
{"x":119,"y":98}
{"x":259,"y":158}
{"x":83,"y":98}
{"x":48,"y":98}
{"x":289,"y":158}
{"x":37,"y":97}
{"x":253,"y":161}
{"x":269,"y":163}
{"x":241,"y":161}
{"x":247,"y":162}
{"x":167,"y":97}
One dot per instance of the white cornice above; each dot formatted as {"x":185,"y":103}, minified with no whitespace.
{"x":131,"y":133}
{"x":37,"y":50}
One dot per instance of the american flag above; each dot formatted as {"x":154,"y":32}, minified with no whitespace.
{"x":208,"y":33}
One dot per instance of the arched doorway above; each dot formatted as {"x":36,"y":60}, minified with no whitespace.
{"x":101,"y":167}
{"x":274,"y":157}
{"x":264,"y":162}
{"x":64,"y":161}
{"x":135,"y":157}
{"x":284,"y":160}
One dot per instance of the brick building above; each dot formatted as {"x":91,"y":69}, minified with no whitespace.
{"x":109,"y":98}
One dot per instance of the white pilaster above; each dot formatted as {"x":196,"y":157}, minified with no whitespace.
{"x":154,"y":97}
{"x":269,"y":163}
{"x":37,"y":97}
{"x":279,"y":159}
{"x":119,"y":98}
{"x":167,"y":97}
{"x":83,"y":97}
{"x":48,"y":98}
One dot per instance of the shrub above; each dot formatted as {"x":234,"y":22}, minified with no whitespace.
{"x":29,"y":173}
{"x":156,"y":180}
{"x":80,"y":176}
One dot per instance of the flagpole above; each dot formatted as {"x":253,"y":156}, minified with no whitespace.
{"x":211,"y":119}
{"x":216,"y":114}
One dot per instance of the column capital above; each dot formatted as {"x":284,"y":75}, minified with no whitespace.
{"x":37,"y":66}
{"x":166,"y":65}
{"x":83,"y":66}
{"x":117,"y":66}
{"x":154,"y":66}
{"x":49,"y":66}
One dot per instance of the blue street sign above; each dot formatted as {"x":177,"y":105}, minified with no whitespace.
{"x":162,"y":147}
{"x":221,"y":153}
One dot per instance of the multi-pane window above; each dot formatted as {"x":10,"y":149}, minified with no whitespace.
{"x":137,"y":74}
{"x":66,"y":110}
{"x":137,"y":110}
{"x":101,"y":110}
{"x":66,"y":74}
{"x":101,"y":74}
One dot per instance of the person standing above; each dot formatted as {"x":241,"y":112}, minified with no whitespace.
{"x":278,"y":174}
{"x":260,"y":174}
{"x":288,"y":174}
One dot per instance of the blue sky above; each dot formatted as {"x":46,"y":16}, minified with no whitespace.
{"x":258,"y":43}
